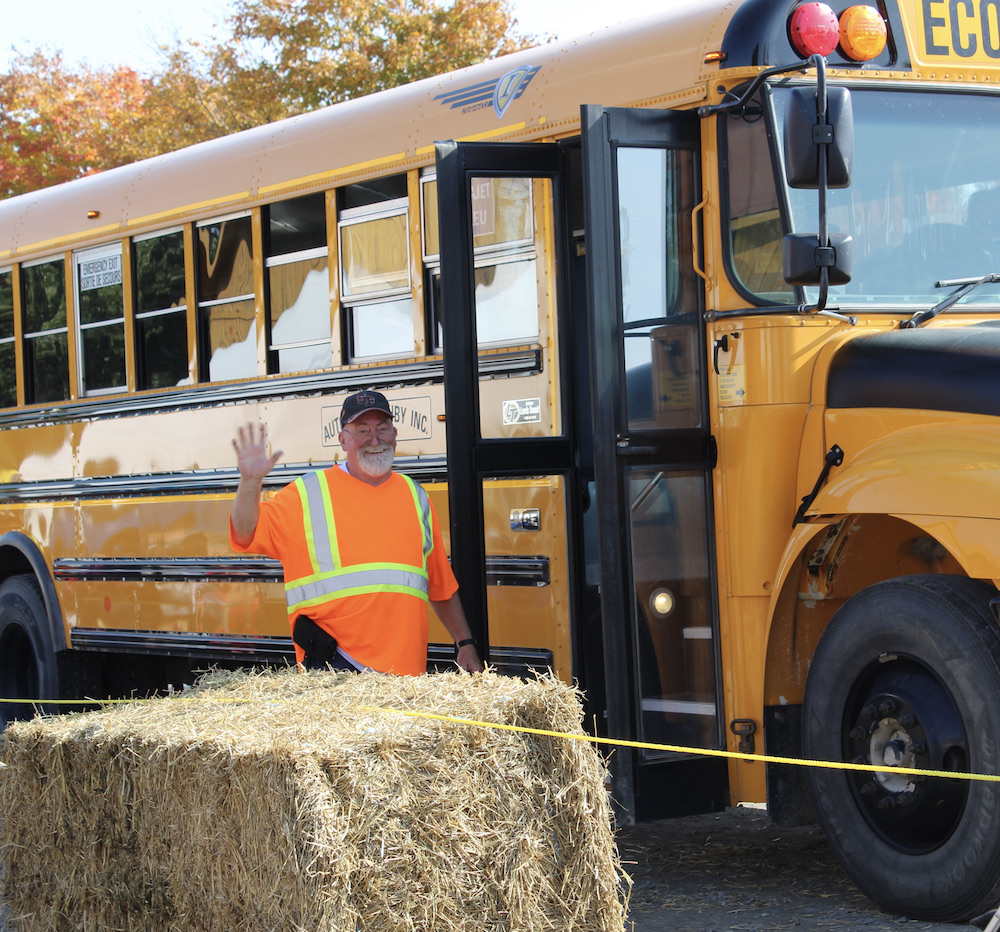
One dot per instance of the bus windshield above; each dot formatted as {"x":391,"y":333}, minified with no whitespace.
{"x":923,"y":206}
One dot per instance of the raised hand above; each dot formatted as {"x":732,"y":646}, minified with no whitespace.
{"x":252,"y":458}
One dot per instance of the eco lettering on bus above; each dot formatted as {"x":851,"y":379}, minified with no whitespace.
{"x":965,"y":29}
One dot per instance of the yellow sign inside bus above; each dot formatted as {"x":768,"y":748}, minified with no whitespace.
{"x":960,"y":31}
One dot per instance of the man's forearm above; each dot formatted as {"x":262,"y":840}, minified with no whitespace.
{"x":246,"y":510}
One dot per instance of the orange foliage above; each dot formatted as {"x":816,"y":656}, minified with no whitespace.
{"x":281,"y":58}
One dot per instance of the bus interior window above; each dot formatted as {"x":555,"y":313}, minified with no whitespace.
{"x":226,"y":318}
{"x":298,"y":284}
{"x":8,"y":384}
{"x":161,"y":336}
{"x":46,"y":340}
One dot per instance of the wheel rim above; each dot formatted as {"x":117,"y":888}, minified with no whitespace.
{"x":900,"y":714}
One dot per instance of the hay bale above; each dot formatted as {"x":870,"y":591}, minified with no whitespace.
{"x":292,"y":801}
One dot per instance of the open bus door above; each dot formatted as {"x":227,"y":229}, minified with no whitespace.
{"x":634,"y":447}
{"x":653,"y":456}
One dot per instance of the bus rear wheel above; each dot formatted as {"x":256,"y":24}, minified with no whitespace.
{"x":28,"y":668}
{"x":907,"y":674}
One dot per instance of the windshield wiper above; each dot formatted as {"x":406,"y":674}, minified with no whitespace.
{"x":965,"y":285}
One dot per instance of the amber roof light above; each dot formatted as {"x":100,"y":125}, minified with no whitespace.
{"x":862,"y":33}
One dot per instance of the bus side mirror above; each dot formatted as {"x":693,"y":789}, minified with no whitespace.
{"x":804,"y":259}
{"x":805,"y":137}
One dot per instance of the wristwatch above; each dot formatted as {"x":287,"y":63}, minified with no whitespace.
{"x":465,"y":642}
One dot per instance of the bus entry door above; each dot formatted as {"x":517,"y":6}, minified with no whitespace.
{"x":510,"y":455}
{"x":653,"y":458}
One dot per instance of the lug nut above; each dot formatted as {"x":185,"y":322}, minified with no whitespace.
{"x":886,"y":804}
{"x":858,"y":733}
{"x":918,"y":747}
{"x":887,"y":707}
{"x":868,"y":789}
{"x":906,"y":719}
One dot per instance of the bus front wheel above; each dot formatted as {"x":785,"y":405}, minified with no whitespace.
{"x":907,"y":674}
{"x":28,"y":667}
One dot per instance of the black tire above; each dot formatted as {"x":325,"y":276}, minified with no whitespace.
{"x":909,"y":670}
{"x":28,"y":667}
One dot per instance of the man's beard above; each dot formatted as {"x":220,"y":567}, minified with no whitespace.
{"x":374,"y":464}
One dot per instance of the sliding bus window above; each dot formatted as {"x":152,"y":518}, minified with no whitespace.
{"x":227,"y":331}
{"x":375,"y":279}
{"x":161,"y":335}
{"x":298,"y":285}
{"x":506,"y":278}
{"x":46,"y":337}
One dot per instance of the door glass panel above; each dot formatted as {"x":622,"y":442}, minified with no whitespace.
{"x":656,"y":197}
{"x":515,"y":306}
{"x":675,"y":640}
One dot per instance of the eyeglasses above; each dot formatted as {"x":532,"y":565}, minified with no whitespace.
{"x":364,"y":434}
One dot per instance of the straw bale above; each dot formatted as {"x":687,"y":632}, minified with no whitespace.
{"x":291,"y":801}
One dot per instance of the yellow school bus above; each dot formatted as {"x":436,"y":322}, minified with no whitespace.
{"x":692,"y":330}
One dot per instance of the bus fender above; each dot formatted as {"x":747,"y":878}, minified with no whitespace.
{"x":32,"y":556}
{"x":937,"y":470}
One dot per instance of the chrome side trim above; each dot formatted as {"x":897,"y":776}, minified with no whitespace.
{"x":500,"y":570}
{"x":511,"y":661}
{"x":193,"y":482}
{"x":250,"y":649}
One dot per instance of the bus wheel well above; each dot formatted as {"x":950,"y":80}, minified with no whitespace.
{"x":838,"y":562}
{"x":13,"y":562}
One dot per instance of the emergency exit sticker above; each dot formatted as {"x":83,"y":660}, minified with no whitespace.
{"x":733,"y":386}
{"x":522,"y":411}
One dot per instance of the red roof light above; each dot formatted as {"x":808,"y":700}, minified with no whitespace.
{"x":815,"y":29}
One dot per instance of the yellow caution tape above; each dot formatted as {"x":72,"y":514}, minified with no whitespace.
{"x":593,"y":739}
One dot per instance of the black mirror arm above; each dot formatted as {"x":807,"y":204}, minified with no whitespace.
{"x":755,"y":84}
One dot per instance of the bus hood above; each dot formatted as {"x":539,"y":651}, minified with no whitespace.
{"x":951,"y":368}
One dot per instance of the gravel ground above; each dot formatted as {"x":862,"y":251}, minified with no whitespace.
{"x":736,"y":871}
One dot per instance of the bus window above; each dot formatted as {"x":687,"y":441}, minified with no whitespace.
{"x":227,"y":329}
{"x":8,"y":385}
{"x":46,"y":339}
{"x":100,"y":319}
{"x":756,"y":230}
{"x":375,"y":279}
{"x":506,"y":277}
{"x":298,"y":285}
{"x":161,"y":336}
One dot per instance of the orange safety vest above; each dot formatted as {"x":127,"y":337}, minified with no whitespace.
{"x":330,"y":579}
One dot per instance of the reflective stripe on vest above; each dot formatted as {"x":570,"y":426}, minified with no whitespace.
{"x":329,"y":580}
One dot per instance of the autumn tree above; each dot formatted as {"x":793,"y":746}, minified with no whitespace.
{"x":285,"y":57}
{"x":57,"y":124}
{"x":276,"y":58}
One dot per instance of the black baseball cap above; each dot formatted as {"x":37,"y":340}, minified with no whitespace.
{"x":358,"y":403}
